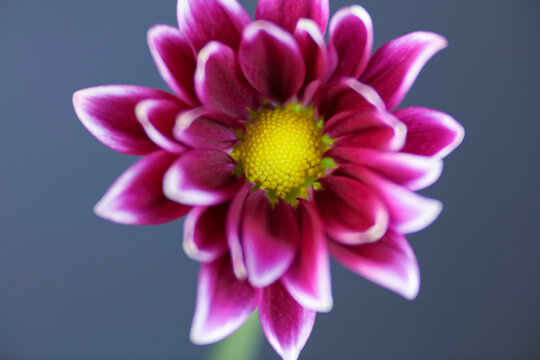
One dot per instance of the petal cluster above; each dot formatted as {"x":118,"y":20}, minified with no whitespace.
{"x":257,"y":253}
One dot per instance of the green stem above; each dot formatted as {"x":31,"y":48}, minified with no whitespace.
{"x":244,"y":344}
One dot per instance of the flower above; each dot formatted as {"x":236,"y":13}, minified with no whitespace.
{"x":281,"y":150}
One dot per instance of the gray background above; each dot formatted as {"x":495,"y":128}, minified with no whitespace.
{"x":73,"y":286}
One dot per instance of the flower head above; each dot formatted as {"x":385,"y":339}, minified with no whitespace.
{"x":281,"y":150}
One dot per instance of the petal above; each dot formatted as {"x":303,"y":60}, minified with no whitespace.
{"x":136,"y":197}
{"x":271,"y":61}
{"x":412,"y":171}
{"x":270,"y":237}
{"x":220,"y":84}
{"x":174,"y":59}
{"x":394,"y":67}
{"x":204,"y":232}
{"x":351,"y":40}
{"x":202,"y":177}
{"x":430,"y":132}
{"x":351,"y":212}
{"x":389,"y":262}
{"x":223,"y":302}
{"x":308,"y":279}
{"x":202,"y":21}
{"x":409,"y":212}
{"x":286,"y":13}
{"x":286,"y":324}
{"x":108,"y":112}
{"x":157,"y":118}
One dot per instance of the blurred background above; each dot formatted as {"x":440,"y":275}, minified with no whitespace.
{"x":75,"y":287}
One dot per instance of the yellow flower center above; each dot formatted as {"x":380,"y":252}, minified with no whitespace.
{"x":281,"y":151}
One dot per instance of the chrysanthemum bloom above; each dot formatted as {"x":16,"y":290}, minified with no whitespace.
{"x":281,"y":150}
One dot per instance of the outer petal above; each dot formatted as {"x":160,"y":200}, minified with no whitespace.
{"x":174,"y":59}
{"x":136,"y":197}
{"x":430,"y":132}
{"x":286,"y":324}
{"x":351,"y":40}
{"x":202,"y":177}
{"x":270,"y":237}
{"x":412,"y":171}
{"x":271,"y":61}
{"x":202,"y":21}
{"x":220,"y":83}
{"x":389,"y":262}
{"x":351,"y":212}
{"x":233,"y":229}
{"x":204,"y":233}
{"x":223,"y":304}
{"x":394,"y":67}
{"x":286,"y":13}
{"x":308,"y":279}
{"x":108,"y":112}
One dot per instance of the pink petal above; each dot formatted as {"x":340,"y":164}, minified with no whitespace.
{"x":394,"y":67}
{"x":351,"y":212}
{"x":108,"y":112}
{"x":202,"y":21}
{"x":136,"y":197}
{"x":389,"y":262}
{"x":174,"y":59}
{"x":409,"y":212}
{"x":411,"y":171}
{"x":204,"y":232}
{"x":270,"y":237}
{"x":351,"y":40}
{"x":286,"y":324}
{"x":271,"y":61}
{"x":430,"y":132}
{"x":308,"y":279}
{"x":202,"y":177}
{"x":157,"y":118}
{"x":223,"y":303}
{"x":286,"y":13}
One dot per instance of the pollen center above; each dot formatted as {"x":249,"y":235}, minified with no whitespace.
{"x":281,"y":151}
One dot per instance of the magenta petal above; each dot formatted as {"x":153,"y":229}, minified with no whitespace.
{"x":412,"y":171}
{"x":223,"y":303}
{"x":311,"y":43}
{"x":394,"y":67}
{"x":220,"y":84}
{"x":271,"y":61}
{"x":204,"y":232}
{"x":389,"y":262}
{"x":270,"y":237}
{"x":174,"y":59}
{"x":351,"y":40}
{"x":286,"y":13}
{"x":430,"y":132}
{"x":351,"y":212}
{"x":286,"y":324}
{"x":136,"y":197}
{"x":108,"y":112}
{"x":202,"y":177}
{"x":202,"y":21}
{"x":308,"y":279}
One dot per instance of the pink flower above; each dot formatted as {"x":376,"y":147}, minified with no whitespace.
{"x":281,"y":150}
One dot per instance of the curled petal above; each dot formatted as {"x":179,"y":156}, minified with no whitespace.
{"x":271,"y":61}
{"x":174,"y":59}
{"x":351,"y":212}
{"x":202,"y":21}
{"x":394,"y":67}
{"x":389,"y":262}
{"x":136,"y":197}
{"x":286,"y":324}
{"x":233,"y":229}
{"x":108,"y":112}
{"x":202,"y":177}
{"x":223,"y":302}
{"x":286,"y":13}
{"x":430,"y":132}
